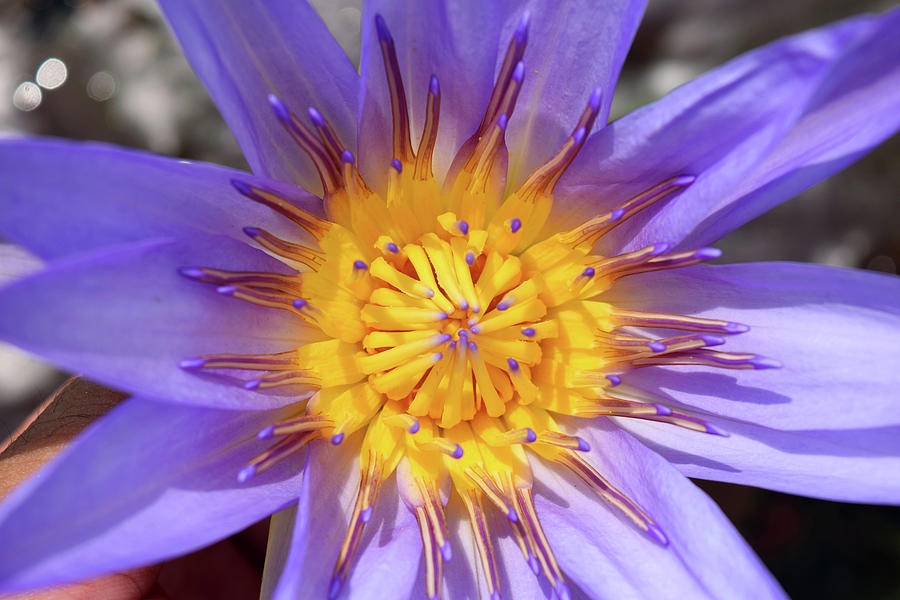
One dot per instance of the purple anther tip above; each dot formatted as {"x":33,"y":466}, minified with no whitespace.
{"x":397,"y":165}
{"x":463,"y":226}
{"x":451,"y":345}
{"x":246,"y":473}
{"x":252,"y":231}
{"x":300,"y":303}
{"x":732,"y":327}
{"x":662,"y":410}
{"x":707,"y":253}
{"x":496,"y":596}
{"x":515,"y":224}
{"x":365,"y":514}
{"x":192,"y":363}
{"x":470,"y":258}
{"x":433,"y":86}
{"x":657,"y":534}
{"x":266,"y":432}
{"x":242,"y":186}
{"x":464,"y":305}
{"x":414,"y":428}
{"x":583,"y":446}
{"x":458,"y":453}
{"x":360,"y":265}
{"x":281,"y":111}
{"x":334,"y":589}
{"x":381,"y":27}
{"x":347,"y":157}
{"x":437,"y":357}
{"x":521,"y":33}
{"x":316,"y":117}
{"x":512,"y":516}
{"x":253,"y":384}
{"x":579,"y":135}
{"x":502,"y":122}
{"x":530,"y":435}
{"x":596,"y":98}
{"x":685,"y":180}
{"x":614,"y":380}
{"x":473,"y":347}
{"x":447,"y":551}
{"x":226,"y":290}
{"x":444,"y":338}
{"x":617,"y":214}
{"x":657,"y":346}
{"x":392,"y":247}
{"x":562,"y":590}
{"x":191,"y":272}
{"x":712,"y":340}
{"x":337,"y":438}
{"x":528,"y":331}
{"x":762,"y":362}
{"x":462,"y":333}
{"x":519,"y":72}
{"x":589,"y":272}
{"x":534,"y":564}
{"x":713,"y":430}
{"x":475,"y":329}
{"x":513,"y":364}
{"x":429,"y":293}
{"x":659,"y":248}
{"x":504,"y":305}
{"x":442,"y":315}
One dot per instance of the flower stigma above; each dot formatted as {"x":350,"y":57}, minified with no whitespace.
{"x":460,"y":328}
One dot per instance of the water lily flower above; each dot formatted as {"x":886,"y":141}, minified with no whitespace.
{"x":486,"y":362}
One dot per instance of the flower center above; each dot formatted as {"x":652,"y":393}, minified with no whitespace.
{"x":446,"y":330}
{"x":458,"y":329}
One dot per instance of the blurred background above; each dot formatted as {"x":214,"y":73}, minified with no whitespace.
{"x":111,"y":71}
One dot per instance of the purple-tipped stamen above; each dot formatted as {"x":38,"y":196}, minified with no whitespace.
{"x":614,"y":380}
{"x":397,"y":165}
{"x":392,"y":248}
{"x":463,"y":227}
{"x":528,"y":331}
{"x":347,"y":157}
{"x":513,"y":364}
{"x":246,"y":473}
{"x":360,"y":265}
{"x":337,"y":438}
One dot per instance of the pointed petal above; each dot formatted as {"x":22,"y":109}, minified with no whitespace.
{"x":847,"y":465}
{"x":304,"y":543}
{"x":457,"y":42}
{"x":573,"y":48}
{"x":244,"y":51}
{"x":127,"y":317}
{"x":137,"y":487}
{"x":97,"y":195}
{"x":836,"y":332}
{"x":718,"y":128}
{"x":608,"y":557}
{"x":824,"y":425}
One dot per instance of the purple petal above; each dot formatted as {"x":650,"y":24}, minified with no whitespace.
{"x":304,"y":542}
{"x":718,"y":127}
{"x":126,"y":317}
{"x":608,"y":557}
{"x":851,"y":465}
{"x":97,"y":195}
{"x":855,"y":108}
{"x":827,"y":424}
{"x":457,"y":42}
{"x":244,"y":51}
{"x":573,"y":47}
{"x":147,"y":482}
{"x":836,"y":331}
